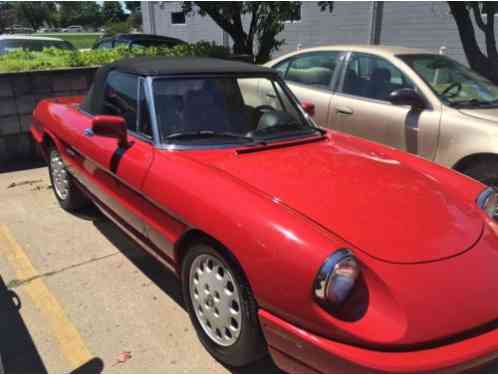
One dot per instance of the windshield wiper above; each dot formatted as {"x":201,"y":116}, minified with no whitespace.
{"x":206,"y":133}
{"x":474,"y":103}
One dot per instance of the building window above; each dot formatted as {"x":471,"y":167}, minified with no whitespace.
{"x":295,"y":15}
{"x":177,"y":18}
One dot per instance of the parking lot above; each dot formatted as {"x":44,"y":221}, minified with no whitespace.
{"x":77,"y":295}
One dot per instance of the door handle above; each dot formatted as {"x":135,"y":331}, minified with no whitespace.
{"x":88,"y":132}
{"x":344,"y":110}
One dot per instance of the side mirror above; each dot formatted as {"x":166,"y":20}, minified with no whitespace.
{"x":407,"y":97}
{"x":112,"y":127}
{"x":308,"y":107}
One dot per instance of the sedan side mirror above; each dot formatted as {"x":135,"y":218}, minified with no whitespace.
{"x":407,"y":97}
{"x":308,"y":107}
{"x":112,"y":127}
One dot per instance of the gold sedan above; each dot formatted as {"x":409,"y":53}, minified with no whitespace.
{"x":414,"y":100}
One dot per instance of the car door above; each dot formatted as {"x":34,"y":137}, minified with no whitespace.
{"x":361,"y":106}
{"x":118,"y":172}
{"x":310,"y":76}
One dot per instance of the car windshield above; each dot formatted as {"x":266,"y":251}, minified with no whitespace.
{"x":226,"y":110}
{"x":455,"y":84}
{"x":10,"y":45}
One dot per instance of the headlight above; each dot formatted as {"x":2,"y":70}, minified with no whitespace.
{"x":336,"y":278}
{"x":488,"y":201}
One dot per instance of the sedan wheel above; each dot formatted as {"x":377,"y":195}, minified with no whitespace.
{"x":221,"y":305}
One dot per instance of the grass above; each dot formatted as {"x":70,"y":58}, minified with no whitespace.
{"x":79,"y":40}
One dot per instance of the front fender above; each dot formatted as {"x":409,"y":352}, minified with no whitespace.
{"x":462,"y":136}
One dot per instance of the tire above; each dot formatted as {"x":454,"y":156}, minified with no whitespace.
{"x":485,"y":171}
{"x":65,"y":189}
{"x":240,"y":343}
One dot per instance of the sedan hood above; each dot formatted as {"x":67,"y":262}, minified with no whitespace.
{"x":391,"y":209}
{"x":489,"y":114}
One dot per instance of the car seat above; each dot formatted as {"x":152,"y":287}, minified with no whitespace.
{"x":352,"y":83}
{"x":204,"y":110}
{"x":379,"y":86}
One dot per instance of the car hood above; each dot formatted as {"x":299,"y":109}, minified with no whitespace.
{"x":388,"y":208}
{"x":489,"y":114}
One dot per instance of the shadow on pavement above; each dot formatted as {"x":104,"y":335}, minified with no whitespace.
{"x":93,"y":366}
{"x":17,"y":350}
{"x":160,"y":275}
{"x":19,"y":353}
{"x":20,"y":165}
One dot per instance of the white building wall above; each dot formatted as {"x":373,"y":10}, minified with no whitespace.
{"x":196,"y":28}
{"x":349,"y":23}
{"x":427,"y":25}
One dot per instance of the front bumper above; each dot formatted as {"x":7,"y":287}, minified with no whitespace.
{"x":296,"y":350}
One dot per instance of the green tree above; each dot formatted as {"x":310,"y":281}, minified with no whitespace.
{"x":91,"y":14}
{"x":135,"y":17}
{"x":483,"y":60}
{"x":133,"y":6}
{"x":265,"y":19}
{"x":265,"y":23}
{"x":70,"y":12}
{"x":135,"y":20}
{"x":112,"y":11}
{"x":8,"y":15}
{"x":35,"y":14}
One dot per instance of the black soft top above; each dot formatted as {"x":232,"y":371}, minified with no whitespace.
{"x":154,"y":66}
{"x":158,"y":66}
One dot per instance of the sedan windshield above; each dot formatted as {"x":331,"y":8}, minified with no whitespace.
{"x":452,"y":82}
{"x":226,"y":110}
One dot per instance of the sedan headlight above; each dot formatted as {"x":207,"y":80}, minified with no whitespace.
{"x":488,"y":201}
{"x":336,"y":278}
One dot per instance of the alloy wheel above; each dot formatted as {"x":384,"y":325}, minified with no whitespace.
{"x":60,"y":176}
{"x":215,"y":299}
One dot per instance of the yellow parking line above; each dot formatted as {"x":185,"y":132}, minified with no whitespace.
{"x":71,"y":344}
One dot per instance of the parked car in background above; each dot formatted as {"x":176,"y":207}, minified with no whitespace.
{"x":137,"y":40}
{"x":9,"y":43}
{"x":19,"y":29}
{"x":73,"y":29}
{"x":333,"y":253}
{"x":49,"y":30}
{"x":414,"y":100}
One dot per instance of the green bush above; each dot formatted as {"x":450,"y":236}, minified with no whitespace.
{"x":52,"y":58}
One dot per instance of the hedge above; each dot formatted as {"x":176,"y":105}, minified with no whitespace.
{"x":52,"y":58}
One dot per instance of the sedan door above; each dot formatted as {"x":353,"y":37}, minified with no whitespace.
{"x":310,"y":77}
{"x":361,"y":107}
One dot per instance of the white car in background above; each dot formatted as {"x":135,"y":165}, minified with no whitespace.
{"x":10,"y":43}
{"x":73,"y":29}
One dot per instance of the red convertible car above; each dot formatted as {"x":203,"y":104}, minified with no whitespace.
{"x":329,"y":252}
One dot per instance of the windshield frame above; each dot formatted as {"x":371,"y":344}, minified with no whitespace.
{"x":406,"y":57}
{"x":304,"y":117}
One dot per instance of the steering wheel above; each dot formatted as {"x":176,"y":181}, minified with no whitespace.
{"x":458,"y":85}
{"x":264,"y":108}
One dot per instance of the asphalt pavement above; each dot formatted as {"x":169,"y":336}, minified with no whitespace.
{"x":76,"y":295}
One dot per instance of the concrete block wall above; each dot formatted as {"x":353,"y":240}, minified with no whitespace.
{"x":19,"y":94}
